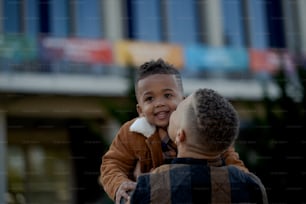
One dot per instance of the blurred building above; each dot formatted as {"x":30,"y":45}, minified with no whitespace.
{"x":63,"y":63}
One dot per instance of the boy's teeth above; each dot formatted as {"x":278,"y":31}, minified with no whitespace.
{"x":162,"y":115}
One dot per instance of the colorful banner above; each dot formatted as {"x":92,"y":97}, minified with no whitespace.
{"x":18,"y":47}
{"x":91,"y":51}
{"x":264,"y":61}
{"x":216,"y":58}
{"x":130,"y":53}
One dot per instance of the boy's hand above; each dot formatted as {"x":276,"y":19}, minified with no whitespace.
{"x":123,"y":190}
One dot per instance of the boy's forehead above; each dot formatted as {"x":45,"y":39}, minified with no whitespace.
{"x":157,"y":79}
{"x":157,"y":76}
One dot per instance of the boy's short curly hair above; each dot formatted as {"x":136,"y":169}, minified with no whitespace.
{"x":216,"y":122}
{"x":158,"y":66}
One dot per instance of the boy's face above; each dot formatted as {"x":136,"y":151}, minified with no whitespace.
{"x":158,"y":96}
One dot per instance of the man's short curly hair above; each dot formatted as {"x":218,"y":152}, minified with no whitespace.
{"x":216,"y":122}
{"x":158,"y":66}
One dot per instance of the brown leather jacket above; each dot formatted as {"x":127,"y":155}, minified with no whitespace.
{"x":138,"y":147}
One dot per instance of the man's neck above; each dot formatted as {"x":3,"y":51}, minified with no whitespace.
{"x":192,"y":153}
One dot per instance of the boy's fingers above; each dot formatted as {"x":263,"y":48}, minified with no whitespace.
{"x":123,"y":190}
{"x":121,"y":197}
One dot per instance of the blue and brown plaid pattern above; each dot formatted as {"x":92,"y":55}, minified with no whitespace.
{"x":196,"y":181}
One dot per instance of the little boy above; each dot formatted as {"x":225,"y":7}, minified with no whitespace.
{"x":143,"y":144}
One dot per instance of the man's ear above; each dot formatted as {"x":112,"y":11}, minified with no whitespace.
{"x":139,"y":110}
{"x":181,"y":136}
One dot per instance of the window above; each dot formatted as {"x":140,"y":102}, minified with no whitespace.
{"x":12,"y":16}
{"x":60,"y":18}
{"x":258,"y":34}
{"x":88,"y":18}
{"x":181,"y":21}
{"x":147,"y":20}
{"x":233,"y":23}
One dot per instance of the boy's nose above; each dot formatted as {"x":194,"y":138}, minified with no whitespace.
{"x":159,"y":102}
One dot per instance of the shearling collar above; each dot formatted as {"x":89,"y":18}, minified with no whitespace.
{"x":142,"y":126}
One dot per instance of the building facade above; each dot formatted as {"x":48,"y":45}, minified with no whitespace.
{"x":64,"y":62}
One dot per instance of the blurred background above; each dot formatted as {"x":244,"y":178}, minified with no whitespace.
{"x":66,"y":85}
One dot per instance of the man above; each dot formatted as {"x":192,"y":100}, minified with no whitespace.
{"x":203,"y":126}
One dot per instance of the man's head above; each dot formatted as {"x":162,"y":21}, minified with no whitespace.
{"x":159,"y":90}
{"x":205,"y":122}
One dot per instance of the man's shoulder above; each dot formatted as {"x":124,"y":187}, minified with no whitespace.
{"x":170,"y":167}
{"x":248,"y":177}
{"x":157,"y":176}
{"x":161,"y":169}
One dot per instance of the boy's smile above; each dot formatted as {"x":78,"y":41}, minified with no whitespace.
{"x":158,"y":96}
{"x":162,"y":115}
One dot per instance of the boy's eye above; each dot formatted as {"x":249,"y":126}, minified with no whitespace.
{"x":168,"y":95}
{"x":149,"y":98}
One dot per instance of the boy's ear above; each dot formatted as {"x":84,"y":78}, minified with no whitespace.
{"x":139,"y":110}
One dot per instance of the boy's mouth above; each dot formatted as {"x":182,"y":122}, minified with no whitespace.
{"x":162,"y":115}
